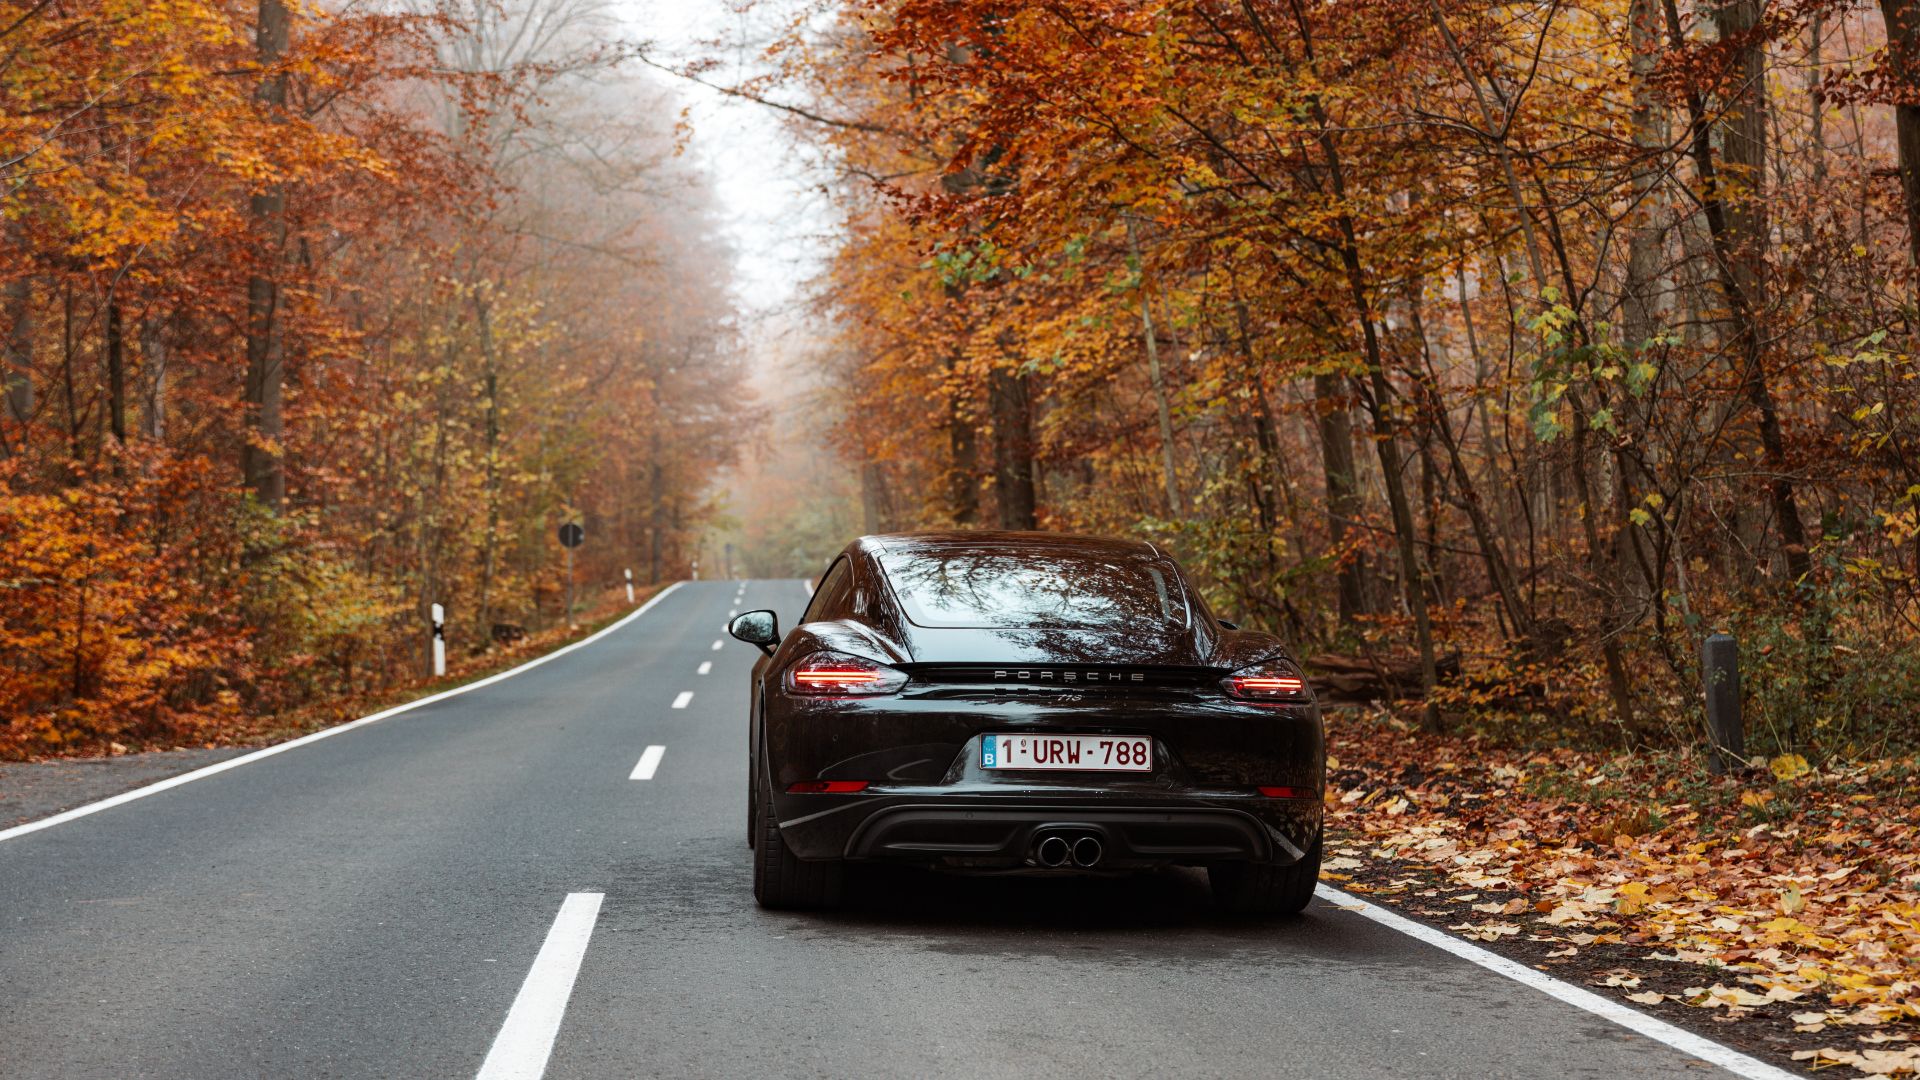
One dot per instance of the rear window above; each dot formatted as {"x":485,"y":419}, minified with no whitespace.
{"x":1025,"y":590}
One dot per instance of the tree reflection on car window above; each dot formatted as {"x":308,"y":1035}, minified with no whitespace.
{"x":1014,"y":589}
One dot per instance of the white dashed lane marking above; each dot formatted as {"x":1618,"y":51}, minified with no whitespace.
{"x":525,"y":1041}
{"x":681,"y":701}
{"x":716,"y":645}
{"x":649,"y":761}
{"x":705,"y":666}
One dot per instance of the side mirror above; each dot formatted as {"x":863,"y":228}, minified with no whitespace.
{"x":757,"y":628}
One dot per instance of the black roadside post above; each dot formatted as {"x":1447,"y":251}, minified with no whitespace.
{"x":1720,"y":669}
{"x":572,"y":535}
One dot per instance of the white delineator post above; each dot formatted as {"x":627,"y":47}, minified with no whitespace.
{"x":629,"y":586}
{"x":439,"y":640}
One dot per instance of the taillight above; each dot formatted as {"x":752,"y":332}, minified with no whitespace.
{"x":832,"y":674}
{"x":1273,"y":681}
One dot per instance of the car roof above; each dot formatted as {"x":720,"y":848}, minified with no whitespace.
{"x":1050,"y":543}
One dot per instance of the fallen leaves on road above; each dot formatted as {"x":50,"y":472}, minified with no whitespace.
{"x":1801,"y":885}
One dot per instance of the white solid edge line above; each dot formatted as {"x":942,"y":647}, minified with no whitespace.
{"x":1652,"y":1027}
{"x":705,"y":666}
{"x":525,"y":1041}
{"x":680,"y":700}
{"x":649,"y":762}
{"x":277,"y":748}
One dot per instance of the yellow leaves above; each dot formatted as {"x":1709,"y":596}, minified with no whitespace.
{"x":1719,"y":996}
{"x":1789,"y":767}
{"x":1486,"y":931}
{"x":1872,"y":1062}
{"x":1632,"y":898}
{"x":1772,"y":909}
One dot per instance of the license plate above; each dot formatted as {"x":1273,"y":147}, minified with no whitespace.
{"x":1086,"y":753}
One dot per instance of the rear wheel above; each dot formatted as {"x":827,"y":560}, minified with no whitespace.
{"x":1264,"y":889}
{"x":753,"y":800}
{"x":781,"y":879}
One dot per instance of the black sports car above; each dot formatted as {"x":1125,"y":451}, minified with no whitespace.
{"x":1027,"y":702}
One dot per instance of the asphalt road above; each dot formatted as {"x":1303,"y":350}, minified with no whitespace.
{"x":371,"y":904}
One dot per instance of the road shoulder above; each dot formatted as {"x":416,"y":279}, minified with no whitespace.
{"x":31,"y":790}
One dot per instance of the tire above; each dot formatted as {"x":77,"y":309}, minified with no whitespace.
{"x":1257,"y":889}
{"x":753,"y":801}
{"x":783,"y":881}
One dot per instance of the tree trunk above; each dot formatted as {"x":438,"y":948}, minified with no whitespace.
{"x":116,"y":373}
{"x":874,"y":515}
{"x":1741,"y":232}
{"x":963,"y":494}
{"x":656,"y":502}
{"x":67,"y":350}
{"x":153,"y":371}
{"x":1903,"y":55}
{"x":1649,"y":124}
{"x":490,"y":544}
{"x":1011,"y":405}
{"x":1337,"y":470}
{"x":1170,"y":472}
{"x":261,"y":458}
{"x":16,"y":355}
{"x":1386,"y":437}
{"x":1346,"y":244}
{"x":1266,"y":481}
{"x":1739,"y":238}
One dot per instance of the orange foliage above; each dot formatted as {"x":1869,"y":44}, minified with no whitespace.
{"x":432,"y":254}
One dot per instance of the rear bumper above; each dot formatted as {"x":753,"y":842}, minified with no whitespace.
{"x":1001,"y":833}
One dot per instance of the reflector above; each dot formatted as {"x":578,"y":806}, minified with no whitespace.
{"x":826,"y":787}
{"x":1286,"y":793}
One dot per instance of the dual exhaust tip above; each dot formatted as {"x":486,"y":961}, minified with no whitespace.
{"x":1058,"y":849}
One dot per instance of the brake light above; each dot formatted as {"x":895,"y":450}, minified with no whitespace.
{"x":1261,"y":684}
{"x":1274,"y":681}
{"x":834,"y":677}
{"x":826,"y":787}
{"x":832,"y":674}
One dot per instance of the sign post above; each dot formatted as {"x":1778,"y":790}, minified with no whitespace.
{"x":439,"y":640}
{"x":572,"y":535}
{"x":629,"y":586}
